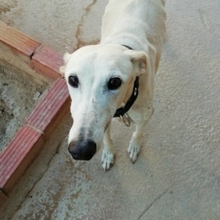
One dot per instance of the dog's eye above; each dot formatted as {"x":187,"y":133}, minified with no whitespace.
{"x":114,"y":83}
{"x":73,"y":81}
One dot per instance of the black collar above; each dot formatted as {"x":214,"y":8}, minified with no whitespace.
{"x":121,"y":111}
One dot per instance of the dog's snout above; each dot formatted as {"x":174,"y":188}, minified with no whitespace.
{"x":82,"y":150}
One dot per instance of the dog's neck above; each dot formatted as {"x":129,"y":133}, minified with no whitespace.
{"x":123,"y":110}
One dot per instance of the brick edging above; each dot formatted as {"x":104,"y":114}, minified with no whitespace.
{"x":29,"y":140}
{"x":38,"y":57}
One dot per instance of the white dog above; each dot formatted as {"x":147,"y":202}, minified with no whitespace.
{"x":104,"y":79}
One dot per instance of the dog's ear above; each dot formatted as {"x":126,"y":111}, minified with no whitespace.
{"x":139,"y":61}
{"x":66,"y":58}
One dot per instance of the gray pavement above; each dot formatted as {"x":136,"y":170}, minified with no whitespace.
{"x":177,"y":174}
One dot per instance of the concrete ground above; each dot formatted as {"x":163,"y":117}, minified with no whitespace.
{"x":177,"y":174}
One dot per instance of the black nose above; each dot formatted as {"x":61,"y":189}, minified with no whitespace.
{"x":82,"y":150}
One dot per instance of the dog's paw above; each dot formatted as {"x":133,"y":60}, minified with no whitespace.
{"x":107,"y":160}
{"x":133,"y":151}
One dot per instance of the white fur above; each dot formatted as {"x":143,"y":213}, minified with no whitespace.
{"x":139,"y":24}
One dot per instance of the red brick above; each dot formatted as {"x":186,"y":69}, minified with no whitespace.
{"x":47,"y":62}
{"x":20,"y":44}
{"x":18,"y":156}
{"x":51,"y":109}
{"x":3,"y":197}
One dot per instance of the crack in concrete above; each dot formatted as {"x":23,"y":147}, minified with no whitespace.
{"x":203,"y":18}
{"x":36,"y":182}
{"x":152,"y":203}
{"x":81,"y":43}
{"x":162,"y":194}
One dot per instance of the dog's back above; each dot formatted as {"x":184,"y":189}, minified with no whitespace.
{"x":137,"y":23}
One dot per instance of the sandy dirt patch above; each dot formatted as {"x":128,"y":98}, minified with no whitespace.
{"x":19,"y":94}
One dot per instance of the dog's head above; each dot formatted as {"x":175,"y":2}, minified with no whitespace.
{"x":100,"y":80}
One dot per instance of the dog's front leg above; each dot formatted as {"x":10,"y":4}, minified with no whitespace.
{"x":108,"y":151}
{"x":135,"y":142}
